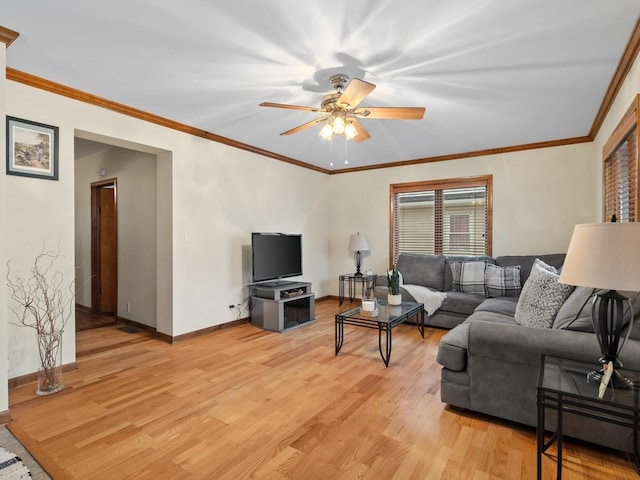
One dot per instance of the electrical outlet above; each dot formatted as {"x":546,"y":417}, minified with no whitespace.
{"x":232,"y":306}
{"x":128,"y":307}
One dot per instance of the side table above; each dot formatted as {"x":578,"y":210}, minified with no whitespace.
{"x":352,"y":280}
{"x":563,"y":387}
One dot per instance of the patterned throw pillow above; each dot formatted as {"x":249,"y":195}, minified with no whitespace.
{"x":502,"y":281}
{"x":468,"y":276}
{"x":541,"y":298}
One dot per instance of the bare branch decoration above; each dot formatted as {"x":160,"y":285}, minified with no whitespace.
{"x":44,"y":303}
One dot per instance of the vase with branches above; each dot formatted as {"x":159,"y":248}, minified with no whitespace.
{"x":43,"y":300}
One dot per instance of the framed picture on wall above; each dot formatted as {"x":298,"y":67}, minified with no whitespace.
{"x":32,"y":149}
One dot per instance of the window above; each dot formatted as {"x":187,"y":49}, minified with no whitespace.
{"x":620,"y":170}
{"x":450,"y":217}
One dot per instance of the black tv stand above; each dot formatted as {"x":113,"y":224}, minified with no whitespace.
{"x":281,"y":306}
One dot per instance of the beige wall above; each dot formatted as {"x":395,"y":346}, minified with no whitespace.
{"x":538,"y":195}
{"x":213,"y":195}
{"x":135,"y":173}
{"x":4,"y":341}
{"x":40,"y":215}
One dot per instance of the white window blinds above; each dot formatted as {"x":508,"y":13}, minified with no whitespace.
{"x":450,"y":218}
{"x":620,"y":170}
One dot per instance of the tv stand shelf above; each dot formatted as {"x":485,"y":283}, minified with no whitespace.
{"x":282,"y":306}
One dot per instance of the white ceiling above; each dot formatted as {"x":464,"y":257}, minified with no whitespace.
{"x":491,"y":73}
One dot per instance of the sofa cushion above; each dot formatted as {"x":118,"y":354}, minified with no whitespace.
{"x":452,"y":351}
{"x":422,"y":269}
{"x":526,"y":262}
{"x":461,"y":303}
{"x":502,"y":306}
{"x":502,"y":281}
{"x":469,"y":276}
{"x":491,"y":317}
{"x":541,"y":298}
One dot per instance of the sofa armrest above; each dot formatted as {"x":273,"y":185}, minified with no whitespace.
{"x":525,"y":345}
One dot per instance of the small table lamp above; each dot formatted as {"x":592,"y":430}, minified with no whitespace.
{"x":358,"y":243}
{"x":606,"y":256}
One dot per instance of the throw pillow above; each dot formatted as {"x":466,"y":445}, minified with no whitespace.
{"x":502,"y":281}
{"x":575,"y":313}
{"x":541,"y":264}
{"x":541,"y":298}
{"x":469,"y":276}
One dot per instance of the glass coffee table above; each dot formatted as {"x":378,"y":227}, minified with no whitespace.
{"x":387,"y":317}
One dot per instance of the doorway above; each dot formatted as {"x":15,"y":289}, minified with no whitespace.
{"x":104,"y":248}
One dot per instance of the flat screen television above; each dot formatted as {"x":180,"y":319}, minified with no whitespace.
{"x":275,"y":256}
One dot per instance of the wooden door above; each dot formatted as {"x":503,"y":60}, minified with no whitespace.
{"x":104,"y":248}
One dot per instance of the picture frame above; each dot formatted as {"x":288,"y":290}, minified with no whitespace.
{"x":32,"y":149}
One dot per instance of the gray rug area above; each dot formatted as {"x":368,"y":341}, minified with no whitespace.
{"x":9,"y":442}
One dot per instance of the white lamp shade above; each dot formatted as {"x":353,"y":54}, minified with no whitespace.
{"x":604,"y":255}
{"x":358,"y":243}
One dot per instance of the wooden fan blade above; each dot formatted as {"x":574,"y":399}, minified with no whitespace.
{"x":393,"y":113}
{"x":289,"y":107}
{"x":361,"y":132}
{"x":304,"y":126}
{"x":356,"y":91}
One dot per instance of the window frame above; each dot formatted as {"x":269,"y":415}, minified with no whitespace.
{"x":627,"y":127}
{"x":438,"y":186}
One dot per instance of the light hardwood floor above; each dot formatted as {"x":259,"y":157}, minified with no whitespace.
{"x":245,"y":403}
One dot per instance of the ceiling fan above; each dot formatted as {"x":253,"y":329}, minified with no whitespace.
{"x":340,"y":110}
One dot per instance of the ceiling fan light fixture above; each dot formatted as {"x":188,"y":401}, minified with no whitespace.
{"x":327,"y":131}
{"x":338,"y":125}
{"x":350,"y":131}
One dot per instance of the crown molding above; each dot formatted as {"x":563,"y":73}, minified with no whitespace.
{"x":7,"y":36}
{"x":624,"y":65}
{"x":477,"y":153}
{"x":59,"y":89}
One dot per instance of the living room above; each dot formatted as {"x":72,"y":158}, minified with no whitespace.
{"x":210,"y":196}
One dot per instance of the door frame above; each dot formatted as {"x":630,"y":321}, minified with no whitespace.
{"x":95,"y":244}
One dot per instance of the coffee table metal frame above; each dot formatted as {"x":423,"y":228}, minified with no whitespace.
{"x":384,"y":321}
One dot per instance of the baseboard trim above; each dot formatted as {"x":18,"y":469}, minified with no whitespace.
{"x":170,"y":340}
{"x":5,"y":417}
{"x":83,"y":308}
{"x":133,"y":323}
{"x":205,"y":331}
{"x":326,"y":298}
{"x":32,"y":377}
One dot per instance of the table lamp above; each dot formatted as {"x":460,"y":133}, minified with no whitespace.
{"x":606,"y":256}
{"x":358,"y":243}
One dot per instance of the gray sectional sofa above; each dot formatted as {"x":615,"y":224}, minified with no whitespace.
{"x":490,"y":361}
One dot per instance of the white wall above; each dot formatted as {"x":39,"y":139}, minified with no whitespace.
{"x":217,"y":195}
{"x":538,"y":196}
{"x":4,"y":341}
{"x":40,"y":216}
{"x":135,"y":173}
